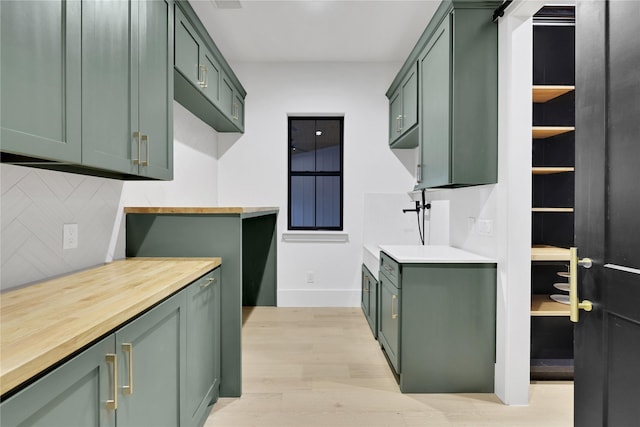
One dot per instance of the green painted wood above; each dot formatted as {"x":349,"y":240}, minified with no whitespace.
{"x":204,"y":82}
{"x":188,"y":49}
{"x":71,"y":395}
{"x":209,"y":235}
{"x":40,"y":76}
{"x":259,"y":275}
{"x":409,"y":90}
{"x":110,"y":89}
{"x":474,"y":150}
{"x":212,"y":78}
{"x":389,"y":321}
{"x":158,"y":340}
{"x":155,"y":87}
{"x":435,"y":82}
{"x":369,"y":300}
{"x":395,"y":111}
{"x":203,"y":348}
{"x":448,"y":328}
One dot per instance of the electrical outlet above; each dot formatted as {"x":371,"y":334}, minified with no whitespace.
{"x":69,"y":236}
{"x":485,"y":227}
{"x":311,"y":277}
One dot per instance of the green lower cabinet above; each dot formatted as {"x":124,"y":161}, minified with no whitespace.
{"x":369,"y":299}
{"x":389,"y":320}
{"x":203,"y":348}
{"x":438,"y":327}
{"x":72,"y":395}
{"x":40,"y":73}
{"x":151,"y":366}
{"x":161,"y":369}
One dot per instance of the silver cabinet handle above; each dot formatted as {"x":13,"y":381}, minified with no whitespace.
{"x":206,"y":77}
{"x":201,"y":73}
{"x":398,"y":128}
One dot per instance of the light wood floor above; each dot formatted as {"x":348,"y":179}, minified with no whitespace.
{"x":322,"y":367}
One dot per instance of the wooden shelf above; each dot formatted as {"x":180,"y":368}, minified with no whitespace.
{"x":541,"y":132}
{"x":551,"y":170}
{"x":551,"y":209}
{"x":541,"y":93}
{"x":549,"y":253}
{"x":543,"y":305}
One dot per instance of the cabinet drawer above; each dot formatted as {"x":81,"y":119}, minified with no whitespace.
{"x":390,"y":268}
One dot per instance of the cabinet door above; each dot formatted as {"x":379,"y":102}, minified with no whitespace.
{"x":109,"y":92}
{"x":364,"y":302}
{"x":155,"y":88}
{"x":188,"y":49}
{"x":203,"y":347}
{"x":40,"y":79}
{"x":435,"y":79}
{"x":226,"y":97}
{"x":238,"y":111}
{"x":211,"y":78}
{"x":373,"y":305}
{"x":389,"y":320}
{"x":72,"y":395}
{"x":395,"y":115}
{"x":151,"y":366}
{"x":409,"y":90}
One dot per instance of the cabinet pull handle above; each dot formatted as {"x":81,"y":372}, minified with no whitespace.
{"x":398,"y":128}
{"x":145,"y":139}
{"x":112,"y":404}
{"x":137,"y":135}
{"x":575,"y":305}
{"x":201,"y":75}
{"x":210,"y":280}
{"x":206,"y":77}
{"x":128,"y":348}
{"x":393,"y":315}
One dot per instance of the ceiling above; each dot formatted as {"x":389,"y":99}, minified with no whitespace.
{"x":315,"y":30}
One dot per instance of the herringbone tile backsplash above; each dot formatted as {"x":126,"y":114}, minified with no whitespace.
{"x":35,"y":206}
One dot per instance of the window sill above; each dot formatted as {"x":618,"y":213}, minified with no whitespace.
{"x":316,"y":237}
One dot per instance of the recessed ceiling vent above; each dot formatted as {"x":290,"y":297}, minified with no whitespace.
{"x":227,"y":4}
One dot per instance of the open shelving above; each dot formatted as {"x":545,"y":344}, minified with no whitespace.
{"x":543,"y":132}
{"x":545,"y":93}
{"x":548,"y":170}
{"x":562,"y":210}
{"x":543,"y":305}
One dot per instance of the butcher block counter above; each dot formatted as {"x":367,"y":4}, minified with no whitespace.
{"x":44,"y":323}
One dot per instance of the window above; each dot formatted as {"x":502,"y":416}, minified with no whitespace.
{"x":315,"y":173}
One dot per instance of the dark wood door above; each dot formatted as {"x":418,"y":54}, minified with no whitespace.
{"x":607,"y":339}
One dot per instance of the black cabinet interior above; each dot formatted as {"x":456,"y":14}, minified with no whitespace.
{"x":553,"y":64}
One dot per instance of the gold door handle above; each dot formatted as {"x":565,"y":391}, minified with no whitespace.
{"x":210,"y":280}
{"x":128,"y":348}
{"x":393,"y":315}
{"x":145,"y":139}
{"x":112,"y":404}
{"x":137,"y":135}
{"x":574,"y":305}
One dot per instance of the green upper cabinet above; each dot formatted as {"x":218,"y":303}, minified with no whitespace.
{"x":40,"y":79}
{"x":403,"y":112}
{"x":457,"y":96}
{"x":89,"y":86}
{"x":204,"y":82}
{"x":127,"y":66}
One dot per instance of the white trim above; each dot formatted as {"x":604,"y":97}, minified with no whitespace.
{"x":316,"y":237}
{"x":319,"y":298}
{"x":315,"y":114}
{"x":623,"y":268}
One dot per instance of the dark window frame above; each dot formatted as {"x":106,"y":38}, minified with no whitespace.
{"x":291,"y":173}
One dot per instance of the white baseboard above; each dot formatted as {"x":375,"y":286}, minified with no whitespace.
{"x":319,"y":298}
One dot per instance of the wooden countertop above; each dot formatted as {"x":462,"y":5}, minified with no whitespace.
{"x":43,"y":323}
{"x":201,"y":210}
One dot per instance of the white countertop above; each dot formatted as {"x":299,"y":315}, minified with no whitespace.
{"x":432,"y":254}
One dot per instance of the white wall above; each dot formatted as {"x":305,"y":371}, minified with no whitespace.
{"x":253,"y":170}
{"x":36,"y":203}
